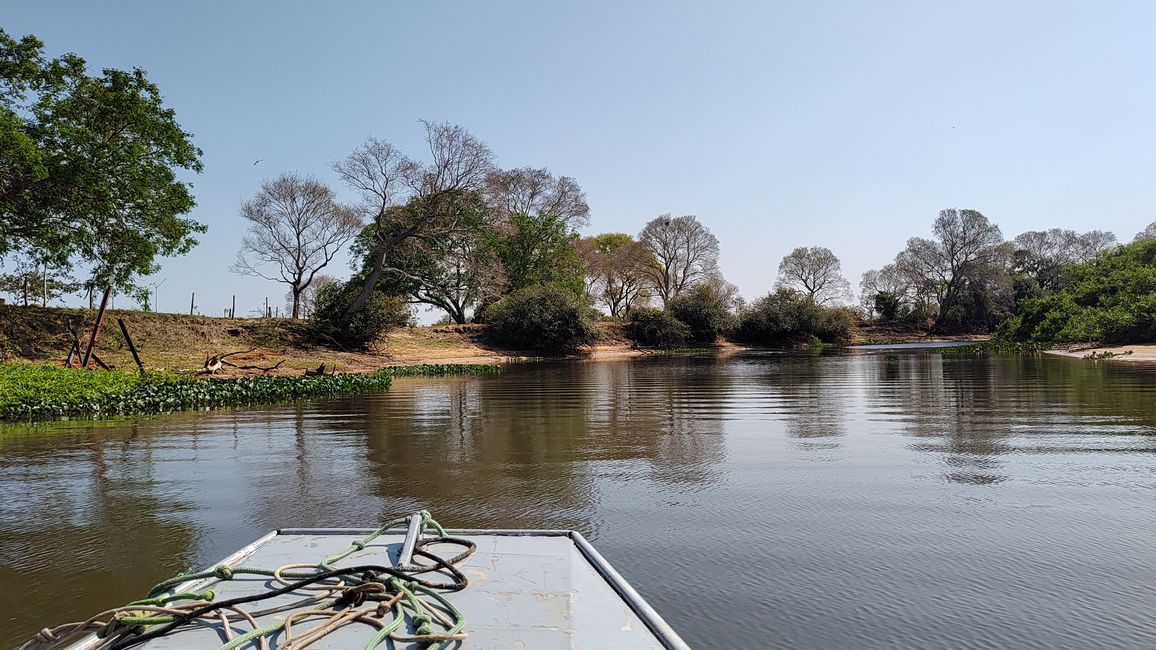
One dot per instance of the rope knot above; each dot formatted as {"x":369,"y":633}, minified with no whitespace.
{"x":359,"y":545}
{"x":424,"y":624}
{"x":223,"y":572}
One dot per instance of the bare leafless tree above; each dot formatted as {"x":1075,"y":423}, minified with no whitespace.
{"x":815,"y":272}
{"x":1147,"y":233}
{"x":1043,"y":254}
{"x":965,"y":239}
{"x":685,"y":253}
{"x":296,"y":226}
{"x":529,"y":191}
{"x":386,"y":178}
{"x":888,"y":281}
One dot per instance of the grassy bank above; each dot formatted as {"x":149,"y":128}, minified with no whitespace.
{"x":38,"y":391}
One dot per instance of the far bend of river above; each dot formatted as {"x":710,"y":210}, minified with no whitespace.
{"x":758,"y":501}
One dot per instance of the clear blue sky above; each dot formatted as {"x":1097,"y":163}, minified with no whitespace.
{"x":847,"y":125}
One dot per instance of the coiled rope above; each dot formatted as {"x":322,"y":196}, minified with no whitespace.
{"x":381,"y":597}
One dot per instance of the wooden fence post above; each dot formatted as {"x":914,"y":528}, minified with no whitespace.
{"x":95,"y":328}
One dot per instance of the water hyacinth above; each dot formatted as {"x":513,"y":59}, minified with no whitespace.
{"x":30,"y":392}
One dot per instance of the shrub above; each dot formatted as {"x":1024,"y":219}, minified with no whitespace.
{"x":788,"y":318}
{"x":704,"y":311}
{"x":377,"y":316}
{"x":656,"y":328}
{"x":542,"y":318}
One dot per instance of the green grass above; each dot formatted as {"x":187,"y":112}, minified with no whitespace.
{"x":30,"y":392}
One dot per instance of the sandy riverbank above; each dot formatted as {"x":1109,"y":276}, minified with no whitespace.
{"x":1137,"y":353}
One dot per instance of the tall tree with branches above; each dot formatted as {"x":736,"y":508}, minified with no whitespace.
{"x":387,"y":179}
{"x":965,"y":244}
{"x":684,"y":253}
{"x":815,"y":272}
{"x":615,"y":270}
{"x":296,"y":227}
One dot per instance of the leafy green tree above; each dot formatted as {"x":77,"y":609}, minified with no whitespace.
{"x":616,"y":271}
{"x":537,"y":249}
{"x":452,"y":265}
{"x":387,"y":180}
{"x":88,"y":166}
{"x":538,"y":217}
{"x":705,"y":311}
{"x":1111,"y":299}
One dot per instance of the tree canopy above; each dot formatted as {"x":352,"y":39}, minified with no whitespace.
{"x":89,"y":166}
{"x":1109,"y":299}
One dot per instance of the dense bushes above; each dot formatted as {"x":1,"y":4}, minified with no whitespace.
{"x":788,"y":318}
{"x":378,"y":315}
{"x":656,"y":328}
{"x":705,"y":312}
{"x":1111,"y":299}
{"x":542,"y":318}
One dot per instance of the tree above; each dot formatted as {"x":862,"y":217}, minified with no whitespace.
{"x":538,"y":215}
{"x":1041,"y":255}
{"x":307,"y":300}
{"x":965,"y":240}
{"x":1111,"y":299}
{"x":386,"y":178}
{"x":88,"y":166}
{"x":537,"y":249}
{"x":616,"y":271}
{"x":1147,"y":233}
{"x":684,"y":254}
{"x":815,"y":272}
{"x":529,"y":191}
{"x":34,"y":281}
{"x":886,"y":292}
{"x":296,"y":226}
{"x":453,"y":265}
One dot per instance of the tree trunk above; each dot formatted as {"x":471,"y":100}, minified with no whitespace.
{"x":296,"y":303}
{"x":367,"y":288}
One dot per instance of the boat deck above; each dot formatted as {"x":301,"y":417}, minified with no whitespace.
{"x":527,"y":589}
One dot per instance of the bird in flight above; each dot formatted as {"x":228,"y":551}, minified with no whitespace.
{"x":257,"y":161}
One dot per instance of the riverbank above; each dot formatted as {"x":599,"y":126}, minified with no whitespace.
{"x":265,"y":346}
{"x":284,"y":347}
{"x":1134,"y":353}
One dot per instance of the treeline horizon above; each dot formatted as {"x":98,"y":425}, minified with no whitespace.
{"x":90,"y":180}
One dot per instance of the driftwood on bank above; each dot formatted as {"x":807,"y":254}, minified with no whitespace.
{"x":214,"y":363}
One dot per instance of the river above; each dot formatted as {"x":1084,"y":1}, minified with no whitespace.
{"x":759,"y":501}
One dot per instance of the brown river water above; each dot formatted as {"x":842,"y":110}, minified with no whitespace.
{"x":757,"y":501}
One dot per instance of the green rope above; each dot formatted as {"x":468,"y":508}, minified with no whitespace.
{"x":409,"y":590}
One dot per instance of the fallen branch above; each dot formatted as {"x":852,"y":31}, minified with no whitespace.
{"x":261,"y":368}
